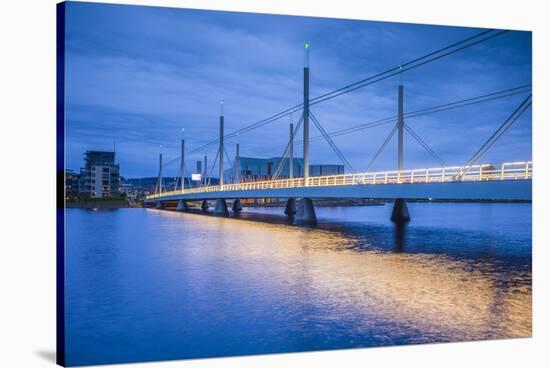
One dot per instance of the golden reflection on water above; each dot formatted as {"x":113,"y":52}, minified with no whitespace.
{"x":435,"y":294}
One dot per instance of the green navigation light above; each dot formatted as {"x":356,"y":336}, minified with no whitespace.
{"x":306,"y":45}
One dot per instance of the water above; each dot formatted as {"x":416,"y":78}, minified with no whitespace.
{"x":147,"y":285}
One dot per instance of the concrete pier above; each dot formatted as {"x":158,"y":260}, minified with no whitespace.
{"x":182,"y":206}
{"x":400,"y":211}
{"x":204,"y":206}
{"x":290,"y":209}
{"x":306,"y":213}
{"x":159,"y":205}
{"x":221,"y":208}
{"x":400,"y":232}
{"x":237,"y":206}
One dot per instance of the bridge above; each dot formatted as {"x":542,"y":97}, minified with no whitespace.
{"x":505,"y":181}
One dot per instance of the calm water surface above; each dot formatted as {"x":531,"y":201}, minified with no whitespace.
{"x":145,"y":284}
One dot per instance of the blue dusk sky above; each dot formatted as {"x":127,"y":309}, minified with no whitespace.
{"x":137,"y":75}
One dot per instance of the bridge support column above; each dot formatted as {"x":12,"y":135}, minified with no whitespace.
{"x":159,"y":205}
{"x":237,"y":206}
{"x":290,"y":209}
{"x":306,"y":213}
{"x":182,"y":206}
{"x":204,"y":206}
{"x":400,"y":211}
{"x":221,"y":208}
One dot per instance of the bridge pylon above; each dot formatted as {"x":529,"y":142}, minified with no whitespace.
{"x":291,"y":153}
{"x":182,"y":168}
{"x":305,"y":214}
{"x":221,"y":149}
{"x":400,"y":124}
{"x":159,"y":187}
{"x":306,"y":115}
{"x":204,"y":180}
{"x":400,"y":212}
{"x":237,"y":165}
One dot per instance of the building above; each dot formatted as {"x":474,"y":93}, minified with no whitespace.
{"x":326,"y":169}
{"x":100,"y":176}
{"x":255,"y":169}
{"x":126,"y":189}
{"x":72,"y":183}
{"x":141,"y":187}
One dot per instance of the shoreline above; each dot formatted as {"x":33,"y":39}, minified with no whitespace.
{"x":317,"y":203}
{"x":102,"y":204}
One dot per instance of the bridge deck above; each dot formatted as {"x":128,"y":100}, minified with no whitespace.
{"x":506,"y":181}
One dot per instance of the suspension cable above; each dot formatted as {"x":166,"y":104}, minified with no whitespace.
{"x":230,"y":161}
{"x":428,"y":149}
{"x":402,"y":70}
{"x":399,"y":67}
{"x":430,"y":110}
{"x":412,"y":64}
{"x":212,"y":169}
{"x":331,"y":143}
{"x":381,"y":148}
{"x":418,"y":113}
{"x":287,"y":149}
{"x":518,"y":112}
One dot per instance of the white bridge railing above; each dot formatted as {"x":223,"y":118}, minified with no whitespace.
{"x":502,"y":171}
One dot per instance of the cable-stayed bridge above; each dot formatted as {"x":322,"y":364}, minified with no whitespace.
{"x":473,"y":180}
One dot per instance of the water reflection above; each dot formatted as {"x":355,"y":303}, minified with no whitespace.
{"x":399,"y":230}
{"x":182,"y":285}
{"x":459,"y":299}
